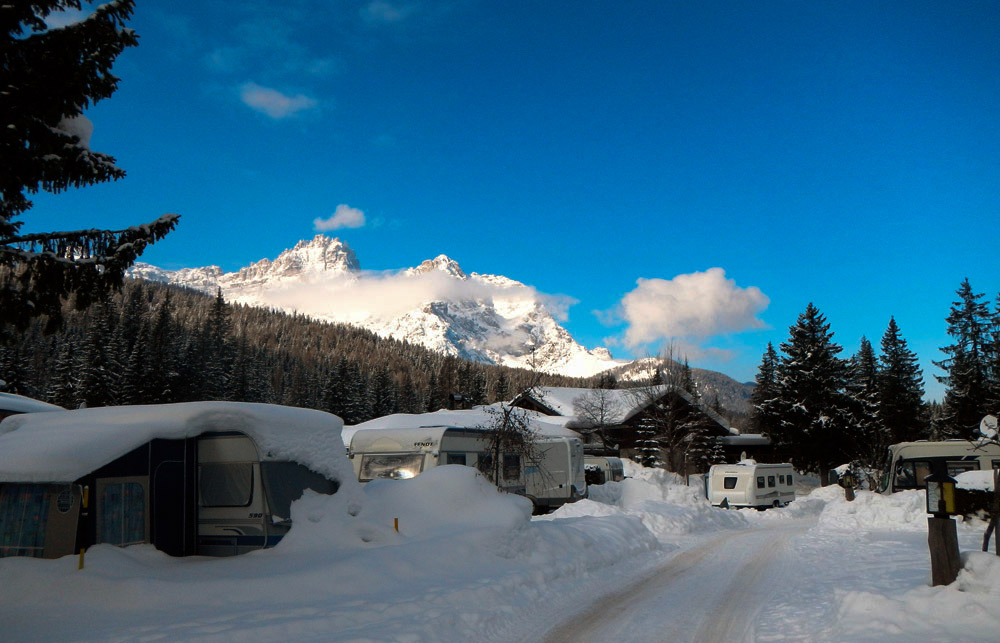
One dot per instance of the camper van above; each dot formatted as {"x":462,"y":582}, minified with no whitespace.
{"x":205,"y":478}
{"x":601,"y":469}
{"x":396,"y":454}
{"x":749,"y":484}
{"x":908,"y":463}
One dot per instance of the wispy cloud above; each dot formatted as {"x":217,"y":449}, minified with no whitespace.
{"x":343,"y":217}
{"x":688,"y":309}
{"x":386,"y":295}
{"x":380,"y":11}
{"x":274,"y":103}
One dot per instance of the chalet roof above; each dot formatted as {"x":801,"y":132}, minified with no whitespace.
{"x":622,"y":403}
{"x":64,"y":446}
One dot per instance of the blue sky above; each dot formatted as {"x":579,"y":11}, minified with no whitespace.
{"x":843,"y":153}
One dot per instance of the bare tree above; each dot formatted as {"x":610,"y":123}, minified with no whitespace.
{"x":596,"y":410}
{"x":512,"y":439}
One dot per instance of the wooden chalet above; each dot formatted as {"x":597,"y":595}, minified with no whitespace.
{"x":612,"y":420}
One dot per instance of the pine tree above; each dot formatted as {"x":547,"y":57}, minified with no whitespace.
{"x":901,"y":389}
{"x":49,"y":76}
{"x":216,"y":350}
{"x":765,"y":418}
{"x":811,"y":403}
{"x":868,"y":438}
{"x":966,"y":399}
{"x":501,"y":391}
{"x":97,"y":383}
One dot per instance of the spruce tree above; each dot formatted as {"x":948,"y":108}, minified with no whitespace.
{"x":764,"y":417}
{"x":901,"y":412}
{"x":867,"y":437}
{"x":811,"y":401}
{"x":49,"y":76}
{"x":966,"y":398}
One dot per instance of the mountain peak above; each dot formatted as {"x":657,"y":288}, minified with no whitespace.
{"x":320,"y":254}
{"x":443,"y":263}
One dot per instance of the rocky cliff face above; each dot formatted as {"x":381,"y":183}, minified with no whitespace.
{"x":486,"y":318}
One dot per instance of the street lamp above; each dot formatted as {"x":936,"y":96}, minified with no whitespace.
{"x":942,"y":534}
{"x":940,"y":495}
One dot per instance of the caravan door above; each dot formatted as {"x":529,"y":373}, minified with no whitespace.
{"x":231,"y":507}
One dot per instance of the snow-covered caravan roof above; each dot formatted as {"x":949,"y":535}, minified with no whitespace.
{"x":22,"y":404}
{"x":476,"y":418}
{"x":67,"y":445}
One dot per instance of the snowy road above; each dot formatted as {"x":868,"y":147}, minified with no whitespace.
{"x":712,"y":592}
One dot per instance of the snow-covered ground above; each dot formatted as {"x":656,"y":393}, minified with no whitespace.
{"x":469,"y":563}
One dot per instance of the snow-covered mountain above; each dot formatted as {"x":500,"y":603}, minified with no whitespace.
{"x":486,"y":318}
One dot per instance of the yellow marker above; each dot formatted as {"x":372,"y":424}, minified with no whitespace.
{"x":80,"y":566}
{"x":395,"y":523}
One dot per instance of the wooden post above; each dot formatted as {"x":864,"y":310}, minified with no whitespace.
{"x":946,"y":561}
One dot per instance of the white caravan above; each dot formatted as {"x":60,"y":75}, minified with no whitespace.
{"x":386,"y":453}
{"x":908,"y":463}
{"x":748,"y":484}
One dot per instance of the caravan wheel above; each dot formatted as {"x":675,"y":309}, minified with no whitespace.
{"x":777,"y":503}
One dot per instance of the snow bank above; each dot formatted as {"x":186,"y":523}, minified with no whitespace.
{"x":466,"y":559}
{"x":659,"y":499}
{"x":967,"y":606}
{"x":979,"y":480}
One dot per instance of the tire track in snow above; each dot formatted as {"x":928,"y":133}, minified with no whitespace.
{"x":710,"y":593}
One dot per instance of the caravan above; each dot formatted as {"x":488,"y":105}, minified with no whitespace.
{"x":207,"y":478}
{"x":393,"y":448}
{"x":748,"y":484}
{"x":908,"y":463}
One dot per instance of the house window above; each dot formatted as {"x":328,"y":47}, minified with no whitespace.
{"x":729,"y":482}
{"x":760,"y":482}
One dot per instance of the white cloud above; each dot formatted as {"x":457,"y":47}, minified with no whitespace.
{"x":386,"y":295}
{"x":343,"y":217}
{"x":382,"y":11}
{"x":689,"y":308}
{"x":274,"y":103}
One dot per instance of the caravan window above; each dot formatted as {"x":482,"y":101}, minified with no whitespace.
{"x":910,"y":474}
{"x":729,"y":482}
{"x":955,"y":468}
{"x":760,"y":482}
{"x":391,"y":466}
{"x":225,"y":484}
{"x":511,"y":466}
{"x":455,"y":458}
{"x":789,"y":478}
{"x":24,"y":511}
{"x":770,"y":481}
